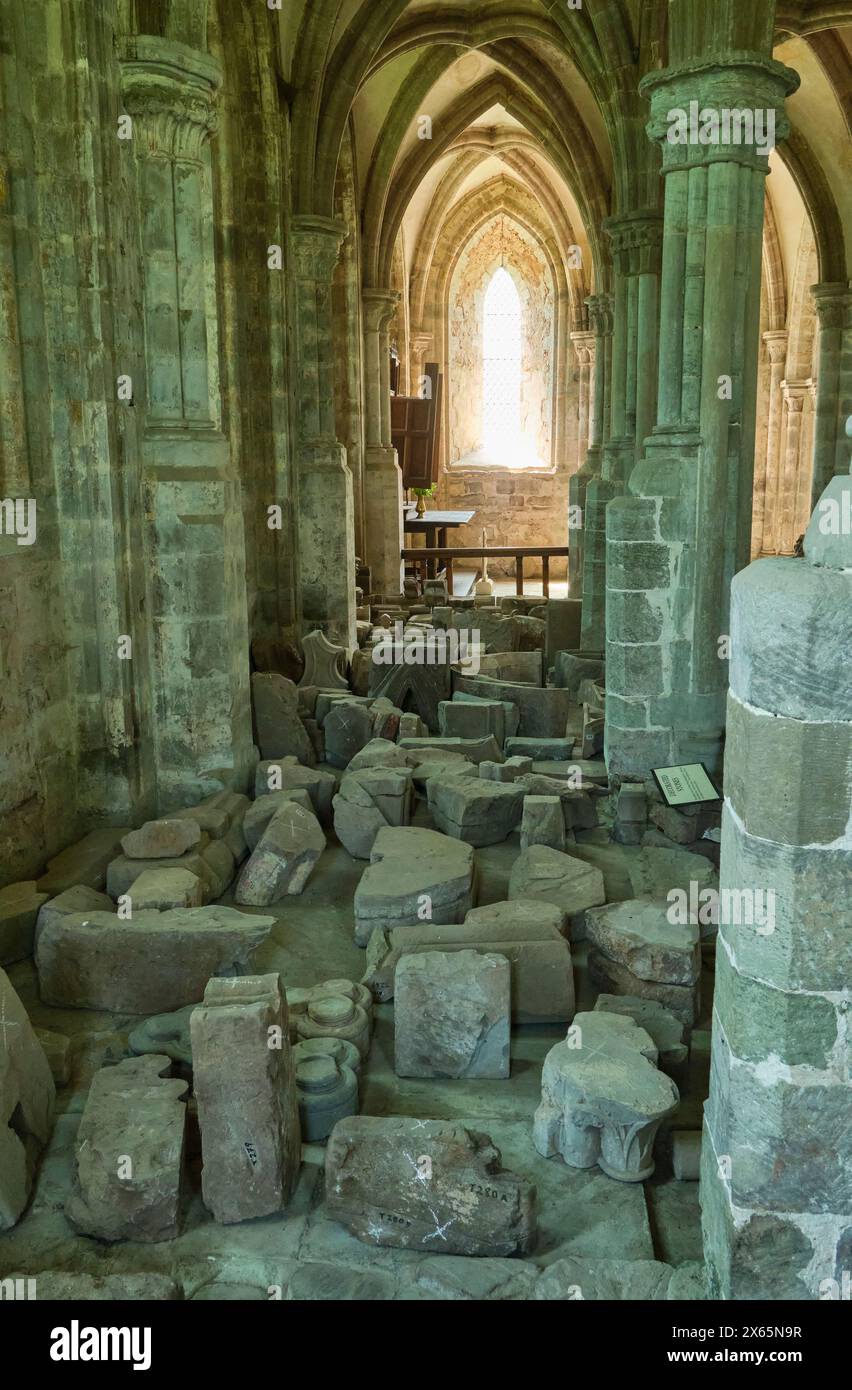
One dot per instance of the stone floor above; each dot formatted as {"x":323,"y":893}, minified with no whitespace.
{"x":304,"y":1254}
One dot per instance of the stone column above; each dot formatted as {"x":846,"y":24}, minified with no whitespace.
{"x":586,"y":565}
{"x":776,"y":1185}
{"x":194,"y":537}
{"x":786,"y":533}
{"x":383,"y":491}
{"x":834,"y":393}
{"x":767,"y":513}
{"x":584,"y":347}
{"x":636,"y":241}
{"x":676,"y":541}
{"x":326,"y":503}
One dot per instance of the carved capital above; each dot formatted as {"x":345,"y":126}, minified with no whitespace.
{"x":715,"y":111}
{"x":833,"y":304}
{"x":316,"y":247}
{"x":584,"y":346}
{"x":170,"y":92}
{"x":776,"y":341}
{"x":794,"y":395}
{"x":379,"y":309}
{"x":601,"y":311}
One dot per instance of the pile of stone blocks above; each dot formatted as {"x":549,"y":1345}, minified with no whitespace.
{"x":129,"y":1153}
{"x":370,"y":799}
{"x":475,"y":809}
{"x":247,"y":1100}
{"x":27,"y":1097}
{"x":212,"y":833}
{"x":452,"y":1015}
{"x":154,"y":963}
{"x":637,"y":950}
{"x":603,"y":1098}
{"x":414,"y":875}
{"x":528,"y":934}
{"x":427,"y":1185}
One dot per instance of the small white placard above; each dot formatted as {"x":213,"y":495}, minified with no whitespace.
{"x":682,"y":785}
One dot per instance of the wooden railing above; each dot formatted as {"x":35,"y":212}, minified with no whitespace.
{"x":426,"y":558}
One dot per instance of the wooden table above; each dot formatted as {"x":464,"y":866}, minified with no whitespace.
{"x":435,"y":525}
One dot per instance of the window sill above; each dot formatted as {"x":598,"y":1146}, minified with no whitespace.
{"x":478,"y":465}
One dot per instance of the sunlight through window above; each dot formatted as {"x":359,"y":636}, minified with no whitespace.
{"x":501,"y":370}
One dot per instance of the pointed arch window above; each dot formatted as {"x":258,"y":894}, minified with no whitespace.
{"x":502,"y":351}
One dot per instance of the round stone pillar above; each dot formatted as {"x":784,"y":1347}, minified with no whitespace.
{"x":776,"y":1185}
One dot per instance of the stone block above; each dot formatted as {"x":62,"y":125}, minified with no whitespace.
{"x":211,"y":820}
{"x":278,"y":721}
{"x":221,"y":864}
{"x":165,"y":888}
{"x":777,"y":605}
{"x":380,"y":752}
{"x":545,"y":712}
{"x":414,"y":875}
{"x":162,"y":839}
{"x":72,"y":900}
{"x":348,"y":728}
{"x":578,"y":808}
{"x":84,"y":863}
{"x":27,"y":1097}
{"x":20,"y":905}
{"x":603,"y":1098}
{"x":369,"y":800}
{"x":284,"y":858}
{"x":539,"y":956}
{"x":155,"y":963}
{"x":472,"y":719}
{"x":609,"y":976}
{"x":475,"y":750}
{"x":411,"y":726}
{"x":631,"y":814}
{"x":289,"y":775}
{"x":542,"y":822}
{"x":769,"y":761}
{"x":247,"y":1100}
{"x":451,"y":1015}
{"x":563,"y":618}
{"x":261,"y":812}
{"x":541,"y":750}
{"x":166,"y":1034}
{"x":553,"y":877}
{"x":129,"y":1154}
{"x":123,"y":873}
{"x":412,"y":1183}
{"x":473,"y":809}
{"x":572,"y":667}
{"x":639,"y":935}
{"x":668,"y":1033}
